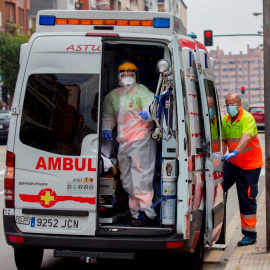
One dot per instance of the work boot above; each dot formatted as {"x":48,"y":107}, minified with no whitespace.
{"x":246,"y":240}
{"x":142,"y":221}
{"x":126,"y":217}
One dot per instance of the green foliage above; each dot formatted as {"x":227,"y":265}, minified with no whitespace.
{"x":9,"y":59}
{"x":11,"y":28}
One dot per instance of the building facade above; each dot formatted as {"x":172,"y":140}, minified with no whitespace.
{"x":36,"y":5}
{"x":14,"y":12}
{"x":240,"y":73}
{"x":177,"y":7}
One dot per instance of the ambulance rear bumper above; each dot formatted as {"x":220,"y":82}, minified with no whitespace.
{"x":14,"y":237}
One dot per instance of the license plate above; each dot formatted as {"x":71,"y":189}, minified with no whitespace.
{"x":56,"y":223}
{"x":1,"y":126}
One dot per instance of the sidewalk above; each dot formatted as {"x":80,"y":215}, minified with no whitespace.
{"x":253,"y":256}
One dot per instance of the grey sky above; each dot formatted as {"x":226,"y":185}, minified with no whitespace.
{"x":226,"y":17}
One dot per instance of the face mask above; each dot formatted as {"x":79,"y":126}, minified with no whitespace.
{"x":232,"y":111}
{"x":127,"y":81}
{"x":212,"y":112}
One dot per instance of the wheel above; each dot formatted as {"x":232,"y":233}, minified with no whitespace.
{"x":155,"y":136}
{"x":195,"y":260}
{"x":28,"y":258}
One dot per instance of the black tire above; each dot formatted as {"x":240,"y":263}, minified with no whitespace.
{"x":28,"y":258}
{"x":196,"y":259}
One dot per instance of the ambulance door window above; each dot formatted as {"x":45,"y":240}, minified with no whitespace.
{"x":186,"y":111}
{"x":59,"y":110}
{"x":213,"y":115}
{"x":198,"y":104}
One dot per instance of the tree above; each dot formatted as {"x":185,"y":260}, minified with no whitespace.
{"x":9,"y":59}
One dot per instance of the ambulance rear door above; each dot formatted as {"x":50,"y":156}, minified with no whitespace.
{"x":183,"y":213}
{"x":57,"y":140}
{"x":213,"y":147}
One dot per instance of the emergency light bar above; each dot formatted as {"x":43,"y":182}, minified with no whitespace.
{"x":156,"y":22}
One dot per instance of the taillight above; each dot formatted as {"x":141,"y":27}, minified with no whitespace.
{"x":174,"y":244}
{"x":9,"y":180}
{"x":16,"y":239}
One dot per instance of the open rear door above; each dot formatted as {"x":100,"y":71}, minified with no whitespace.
{"x":56,"y":144}
{"x":183,"y":216}
{"x":213,"y":147}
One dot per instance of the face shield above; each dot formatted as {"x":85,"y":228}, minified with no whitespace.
{"x":127,"y":74}
{"x":127,"y":78}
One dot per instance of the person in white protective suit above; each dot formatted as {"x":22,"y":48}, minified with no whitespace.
{"x":128,"y":107}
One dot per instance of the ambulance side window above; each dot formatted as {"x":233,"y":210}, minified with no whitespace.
{"x":213,"y":115}
{"x":186,"y":111}
{"x":198,"y":102}
{"x":59,"y":110}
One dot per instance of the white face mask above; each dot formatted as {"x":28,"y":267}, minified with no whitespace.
{"x":127,"y":81}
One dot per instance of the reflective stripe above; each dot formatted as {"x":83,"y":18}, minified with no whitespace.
{"x":233,"y":140}
{"x":248,"y":216}
{"x":248,"y":222}
{"x":249,"y":229}
{"x":250,"y":148}
{"x":215,"y":141}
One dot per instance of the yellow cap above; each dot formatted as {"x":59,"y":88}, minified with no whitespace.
{"x":127,"y":66}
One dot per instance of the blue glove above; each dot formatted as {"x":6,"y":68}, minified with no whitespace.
{"x":231,"y":155}
{"x":217,"y":156}
{"x":144,"y":115}
{"x":107,"y":135}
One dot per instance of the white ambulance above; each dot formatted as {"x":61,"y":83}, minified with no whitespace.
{"x":62,"y":184}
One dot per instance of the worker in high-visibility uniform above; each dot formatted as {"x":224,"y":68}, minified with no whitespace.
{"x":128,"y":107}
{"x":243,"y":163}
{"x":213,"y":124}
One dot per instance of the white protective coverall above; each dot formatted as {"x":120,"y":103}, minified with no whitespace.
{"x":137,"y":151}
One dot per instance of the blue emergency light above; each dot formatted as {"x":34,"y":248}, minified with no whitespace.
{"x":193,"y":36}
{"x":47,"y":20}
{"x":161,"y":22}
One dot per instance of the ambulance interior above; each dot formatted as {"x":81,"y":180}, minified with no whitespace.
{"x":113,"y":203}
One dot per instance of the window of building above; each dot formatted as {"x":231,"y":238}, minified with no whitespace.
{"x":33,"y":22}
{"x":21,"y":18}
{"x":10,"y":12}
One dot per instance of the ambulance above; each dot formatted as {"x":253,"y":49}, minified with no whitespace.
{"x":62,"y":183}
